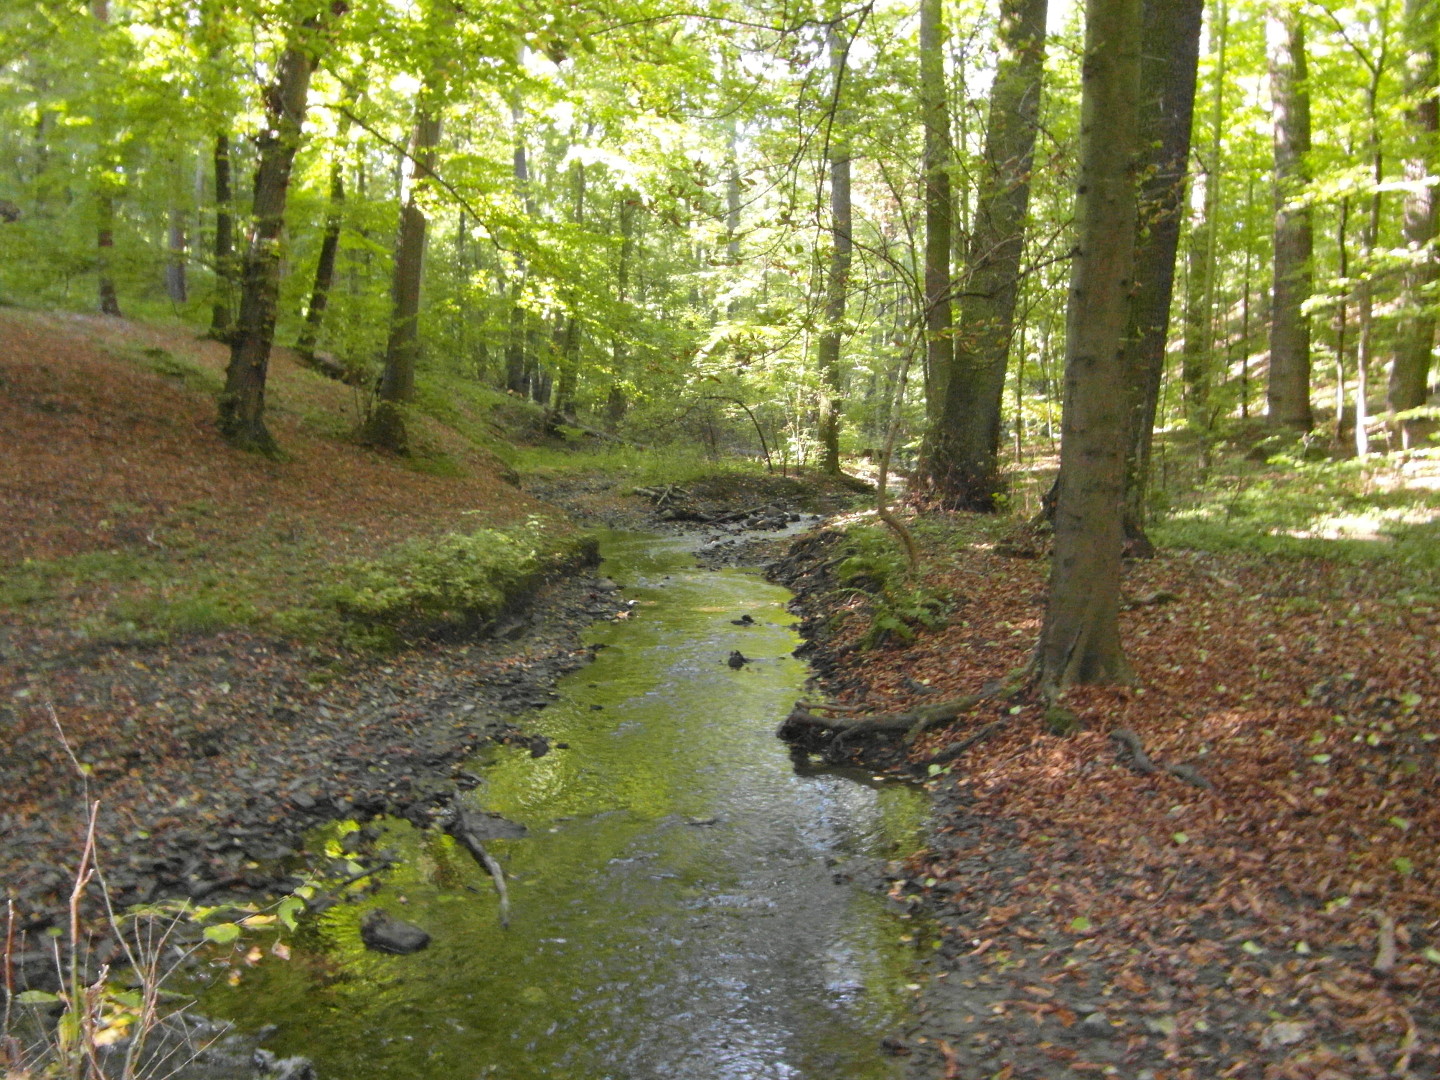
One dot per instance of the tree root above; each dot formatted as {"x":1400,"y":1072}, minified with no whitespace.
{"x":1132,"y":752}
{"x":827,"y":728}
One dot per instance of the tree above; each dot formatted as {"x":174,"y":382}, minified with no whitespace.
{"x":386,"y":426}
{"x":964,"y":469}
{"x":1167,"y":100}
{"x":1415,"y":348}
{"x":837,"y":278}
{"x":1080,"y":639}
{"x":242,"y":403}
{"x":935,"y":118}
{"x":1288,"y":389}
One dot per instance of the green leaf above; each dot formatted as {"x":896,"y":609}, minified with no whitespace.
{"x":1320,"y":759}
{"x":36,"y":997}
{"x":1432,"y":954}
{"x":289,"y":908}
{"x":1251,"y":948}
{"x":1180,"y":837}
{"x":222,"y":933}
{"x":1404,"y":866}
{"x":1080,"y":924}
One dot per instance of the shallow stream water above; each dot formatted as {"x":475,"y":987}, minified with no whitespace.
{"x":674,"y":912}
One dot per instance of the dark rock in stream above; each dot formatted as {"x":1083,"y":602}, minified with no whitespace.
{"x":382,"y":932}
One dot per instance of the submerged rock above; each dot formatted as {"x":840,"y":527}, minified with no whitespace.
{"x":382,"y":932}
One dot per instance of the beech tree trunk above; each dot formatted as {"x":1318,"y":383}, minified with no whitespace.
{"x":964,"y":468}
{"x":837,"y":278}
{"x":1080,"y":641}
{"x":386,"y":427}
{"x":325,"y":265}
{"x":1415,"y":348}
{"x":222,"y":312}
{"x":1171,"y":31}
{"x":1288,"y":390}
{"x":242,"y":403}
{"x":109,"y":300}
{"x":935,"y":117}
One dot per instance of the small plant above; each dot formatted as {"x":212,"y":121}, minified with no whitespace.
{"x":877,"y":569}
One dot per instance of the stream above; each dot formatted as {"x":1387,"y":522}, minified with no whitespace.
{"x":674,"y":909}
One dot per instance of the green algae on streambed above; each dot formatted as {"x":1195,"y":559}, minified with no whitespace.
{"x":674,"y":909}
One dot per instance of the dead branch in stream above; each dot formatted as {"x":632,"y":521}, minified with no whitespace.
{"x":472,"y":844}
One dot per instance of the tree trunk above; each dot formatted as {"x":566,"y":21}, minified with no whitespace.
{"x":837,"y":278}
{"x":222,"y":313}
{"x":176,"y":285}
{"x":1288,"y":391}
{"x":325,"y":265}
{"x":1415,"y":348}
{"x":107,"y":177}
{"x":964,"y":469}
{"x":1080,"y":641}
{"x":1171,"y":31}
{"x":242,"y":404}
{"x":517,"y":364}
{"x":386,"y":426}
{"x":934,"y":115}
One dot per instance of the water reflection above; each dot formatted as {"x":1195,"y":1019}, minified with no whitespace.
{"x":673,"y":913}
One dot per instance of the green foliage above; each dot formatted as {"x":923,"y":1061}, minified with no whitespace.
{"x":452,"y":584}
{"x":39,"y":580}
{"x":1292,"y":505}
{"x":192,"y":375}
{"x":875,"y":566}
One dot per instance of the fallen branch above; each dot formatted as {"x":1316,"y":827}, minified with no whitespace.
{"x":471,"y":843}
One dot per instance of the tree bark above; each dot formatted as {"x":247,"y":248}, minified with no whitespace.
{"x":964,"y":469}
{"x":222,"y":312}
{"x":325,"y":265}
{"x":837,"y":278}
{"x":1171,"y":31}
{"x":242,"y":404}
{"x":1080,"y":640}
{"x":1415,"y":349}
{"x":1288,"y":390}
{"x":934,"y":115}
{"x":386,"y":426}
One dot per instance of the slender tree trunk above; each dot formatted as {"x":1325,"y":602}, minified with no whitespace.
{"x":105,"y":249}
{"x":1080,"y":641}
{"x":1415,"y":347}
{"x":222,"y":312}
{"x":517,"y":363}
{"x":1171,"y":31}
{"x":616,"y":401}
{"x":837,"y":278}
{"x":964,"y":467}
{"x":934,"y":115}
{"x":177,"y":245}
{"x":386,"y":427}
{"x":329,"y":250}
{"x":107,"y":177}
{"x":242,"y":403}
{"x":1288,"y":391}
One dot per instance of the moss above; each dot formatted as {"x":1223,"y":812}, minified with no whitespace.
{"x":458,"y":584}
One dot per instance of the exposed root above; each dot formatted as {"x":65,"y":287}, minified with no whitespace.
{"x":1132,"y":752}
{"x":827,"y":728}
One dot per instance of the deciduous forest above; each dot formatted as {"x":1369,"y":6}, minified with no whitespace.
{"x":338,"y":336}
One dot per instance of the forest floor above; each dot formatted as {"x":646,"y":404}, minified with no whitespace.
{"x":1282,"y":921}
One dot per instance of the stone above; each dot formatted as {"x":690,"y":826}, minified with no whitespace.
{"x":382,"y":932}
